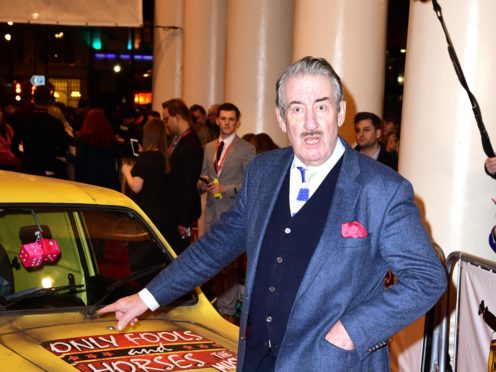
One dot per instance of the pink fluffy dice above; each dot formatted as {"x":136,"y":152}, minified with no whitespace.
{"x":34,"y":254}
{"x":31,"y":255}
{"x":51,"y":250}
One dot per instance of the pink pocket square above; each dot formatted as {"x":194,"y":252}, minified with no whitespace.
{"x":353,"y":229}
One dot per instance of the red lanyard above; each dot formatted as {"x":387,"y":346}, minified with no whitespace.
{"x":188,"y":131}
{"x":174,"y":143}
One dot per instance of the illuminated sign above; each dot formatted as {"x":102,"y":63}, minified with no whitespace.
{"x":37,"y":80}
{"x":125,"y":57}
{"x":142,"y":98}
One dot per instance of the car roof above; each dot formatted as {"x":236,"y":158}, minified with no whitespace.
{"x":24,"y":188}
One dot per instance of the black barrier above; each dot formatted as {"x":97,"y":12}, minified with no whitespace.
{"x":436,"y":352}
{"x":431,"y":326}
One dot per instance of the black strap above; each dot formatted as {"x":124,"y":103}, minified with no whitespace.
{"x":486,"y":143}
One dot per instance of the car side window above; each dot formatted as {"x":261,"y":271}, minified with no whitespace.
{"x":98,"y":247}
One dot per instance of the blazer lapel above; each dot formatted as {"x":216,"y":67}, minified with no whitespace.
{"x":231,"y":156}
{"x":273,"y":175}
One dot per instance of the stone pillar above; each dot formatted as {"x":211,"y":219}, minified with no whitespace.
{"x":167,"y":51}
{"x":204,"y":51}
{"x":441,"y":152}
{"x":351,"y":35}
{"x":259,"y":34}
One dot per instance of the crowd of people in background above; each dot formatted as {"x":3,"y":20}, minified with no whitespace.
{"x":89,"y":143}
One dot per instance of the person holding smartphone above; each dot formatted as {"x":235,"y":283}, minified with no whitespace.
{"x":147,"y":177}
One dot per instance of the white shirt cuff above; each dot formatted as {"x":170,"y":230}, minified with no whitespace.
{"x":148,"y":299}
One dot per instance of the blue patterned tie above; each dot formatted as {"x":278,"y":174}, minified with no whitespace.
{"x":304,"y":192}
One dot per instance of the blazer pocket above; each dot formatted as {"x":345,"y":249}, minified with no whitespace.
{"x":355,"y":242}
{"x":334,"y":358}
{"x":337,"y":349}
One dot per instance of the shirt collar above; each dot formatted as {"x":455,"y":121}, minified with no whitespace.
{"x":229,"y":139}
{"x":376,"y":154}
{"x":326,"y":166}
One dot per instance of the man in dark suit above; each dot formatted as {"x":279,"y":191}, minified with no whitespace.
{"x":368,"y":133}
{"x":43,"y":138}
{"x":185,"y":156}
{"x":321,"y":224}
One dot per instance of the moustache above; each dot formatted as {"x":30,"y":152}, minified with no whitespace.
{"x":311,"y":133}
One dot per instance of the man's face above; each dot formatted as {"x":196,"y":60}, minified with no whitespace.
{"x":170,"y":122}
{"x":311,"y":121}
{"x":388,"y":126}
{"x":227,"y":122}
{"x":198,"y":116}
{"x":212,"y":114}
{"x":366,"y":134}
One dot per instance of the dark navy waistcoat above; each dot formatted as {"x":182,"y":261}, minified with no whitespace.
{"x":287,"y":248}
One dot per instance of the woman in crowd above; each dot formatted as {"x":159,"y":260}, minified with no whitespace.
{"x":57,"y":110}
{"x":391,"y":143}
{"x":263,"y":142}
{"x":8,"y":160}
{"x":95,"y":151}
{"x":147,"y":177}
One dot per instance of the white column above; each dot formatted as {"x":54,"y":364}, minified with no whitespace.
{"x":167,"y":51}
{"x":351,"y":35}
{"x":441,"y":152}
{"x":258,"y":50}
{"x":204,"y":51}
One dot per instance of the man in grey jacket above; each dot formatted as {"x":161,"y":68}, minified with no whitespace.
{"x":225,"y":161}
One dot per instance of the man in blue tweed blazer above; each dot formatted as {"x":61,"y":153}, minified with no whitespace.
{"x":322,"y":224}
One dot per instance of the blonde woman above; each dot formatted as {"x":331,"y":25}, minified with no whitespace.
{"x":147,"y":177}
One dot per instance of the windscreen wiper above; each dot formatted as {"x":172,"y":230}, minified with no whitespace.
{"x":6,"y":302}
{"x":134,"y":275}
